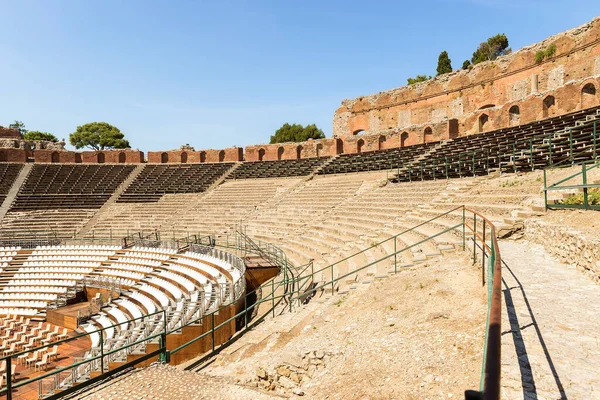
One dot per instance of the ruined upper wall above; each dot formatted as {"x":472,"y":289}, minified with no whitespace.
{"x":453,"y":104}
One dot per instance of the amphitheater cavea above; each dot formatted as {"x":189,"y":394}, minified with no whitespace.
{"x":442,"y":242}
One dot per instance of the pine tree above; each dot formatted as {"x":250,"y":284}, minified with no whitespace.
{"x":444,"y":63}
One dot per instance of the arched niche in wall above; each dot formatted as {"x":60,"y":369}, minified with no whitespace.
{"x":403,"y":139}
{"x":483,"y":120}
{"x":100,"y":158}
{"x":261,"y":154}
{"x":222,"y":156}
{"x":280,"y":152}
{"x":202,"y":156}
{"x":514,"y":115}
{"x":164,"y":158}
{"x":319,"y":149}
{"x":184,"y":157}
{"x":427,"y":134}
{"x":122,"y":157}
{"x":359,"y":145}
{"x":339,"y":146}
{"x":381,"y":142}
{"x":588,"y":96}
{"x":548,"y":106}
{"x":299,"y":152}
{"x":55,"y":157}
{"x":453,"y":128}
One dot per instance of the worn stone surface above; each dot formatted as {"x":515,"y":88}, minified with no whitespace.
{"x":551,"y":340}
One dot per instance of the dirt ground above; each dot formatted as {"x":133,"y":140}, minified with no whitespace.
{"x":415,"y":335}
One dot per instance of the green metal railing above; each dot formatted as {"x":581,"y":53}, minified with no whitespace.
{"x":584,"y":187}
{"x":292,"y":287}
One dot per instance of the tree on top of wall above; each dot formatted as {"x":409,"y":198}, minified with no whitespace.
{"x":37,"y":135}
{"x":467,"y":64}
{"x":20,"y":126}
{"x":491,"y":49}
{"x":444,"y":63}
{"x":417,"y":79}
{"x":98,"y":136}
{"x":296,"y":133}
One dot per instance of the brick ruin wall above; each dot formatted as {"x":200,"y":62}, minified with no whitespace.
{"x":508,"y":91}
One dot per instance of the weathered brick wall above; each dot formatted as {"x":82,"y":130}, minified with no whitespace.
{"x":231,"y":154}
{"x":13,"y":155}
{"x":10,"y":133}
{"x":112,"y":157}
{"x":487,"y":91}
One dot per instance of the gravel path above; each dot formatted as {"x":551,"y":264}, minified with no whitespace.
{"x":551,"y":338}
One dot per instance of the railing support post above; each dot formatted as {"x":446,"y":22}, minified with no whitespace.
{"x":483,"y":257}
{"x":101,"y":352}
{"x":8,"y":378}
{"x":395,"y":256}
{"x":273,"y":296}
{"x":585,"y":189}
{"x":545,"y":191}
{"x":212,"y":330}
{"x":463,"y":229}
{"x":474,"y":238}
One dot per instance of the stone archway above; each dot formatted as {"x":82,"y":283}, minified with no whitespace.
{"x":453,"y":128}
{"x":514,"y":115}
{"x":359,"y":145}
{"x":403,"y":139}
{"x":299,"y":152}
{"x":202,"y":156}
{"x":339,"y":146}
{"x":549,"y":106}
{"x":358,"y":132}
{"x":261,"y":154}
{"x":588,"y":96}
{"x":280,"y":152}
{"x":100,"y":158}
{"x":164,"y":158}
{"x":122,"y":157}
{"x":483,"y":120}
{"x":427,"y":134}
{"x":381,"y":142}
{"x":55,"y":157}
{"x":184,"y":157}
{"x":222,"y":156}
{"x":319,"y":149}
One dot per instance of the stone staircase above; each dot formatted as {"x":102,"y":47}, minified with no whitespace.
{"x":14,"y":190}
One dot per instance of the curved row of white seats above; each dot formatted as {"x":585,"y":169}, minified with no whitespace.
{"x":34,"y":289}
{"x":154,"y":250}
{"x":67,"y":257}
{"x":123,"y":274}
{"x":235,"y":273}
{"x":150,"y":256}
{"x":139,"y":261}
{"x":74,"y":252}
{"x":41,"y":283}
{"x":145,"y":301}
{"x":18,"y":311}
{"x":182,"y":280}
{"x":76,"y":247}
{"x":9,"y":248}
{"x":65,"y":270}
{"x":162,"y":298}
{"x":128,"y":267}
{"x":28,"y":296}
{"x":22,"y":303}
{"x":211,"y":271}
{"x":4,"y":265}
{"x":6,"y":258}
{"x":61,"y":264}
{"x":76,"y":277}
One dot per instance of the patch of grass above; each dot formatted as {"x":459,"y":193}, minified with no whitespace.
{"x":510,"y":183}
{"x":577,"y":199}
{"x":340,"y":301}
{"x":549,"y":52}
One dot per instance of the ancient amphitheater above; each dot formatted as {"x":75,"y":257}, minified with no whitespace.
{"x":443,"y":243}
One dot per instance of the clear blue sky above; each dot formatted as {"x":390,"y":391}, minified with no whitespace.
{"x":220,"y":73}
